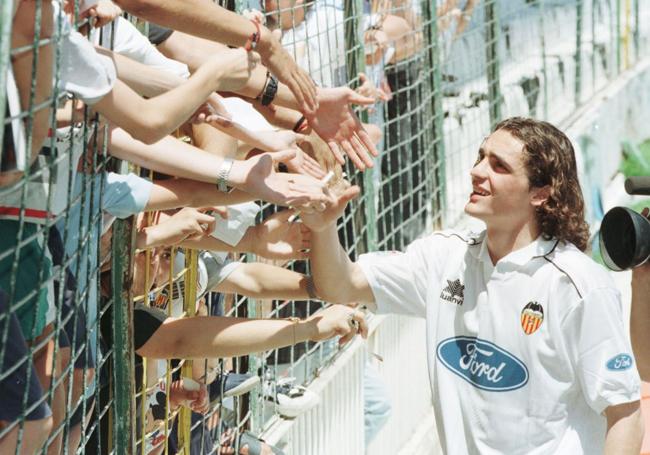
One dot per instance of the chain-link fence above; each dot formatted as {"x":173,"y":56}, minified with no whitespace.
{"x":76,"y":293}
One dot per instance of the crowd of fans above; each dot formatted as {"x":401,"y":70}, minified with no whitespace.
{"x":216,"y":114}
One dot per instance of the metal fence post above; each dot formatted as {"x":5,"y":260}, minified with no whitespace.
{"x":618,"y":37}
{"x":577,"y":87}
{"x":355,"y":63}
{"x":124,"y":370}
{"x":435,"y":94}
{"x":636,"y":31}
{"x":492,"y":60}
{"x":5,"y":46}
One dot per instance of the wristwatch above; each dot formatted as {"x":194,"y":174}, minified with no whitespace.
{"x":222,"y":175}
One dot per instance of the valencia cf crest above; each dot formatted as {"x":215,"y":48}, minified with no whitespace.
{"x":161,"y":300}
{"x":532,"y":317}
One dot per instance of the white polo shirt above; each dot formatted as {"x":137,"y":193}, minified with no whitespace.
{"x":523,"y":356}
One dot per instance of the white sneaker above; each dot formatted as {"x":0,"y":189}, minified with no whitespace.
{"x":291,"y":400}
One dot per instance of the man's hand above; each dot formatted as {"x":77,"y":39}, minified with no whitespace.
{"x":275,"y":238}
{"x":257,"y":177}
{"x":277,"y":141}
{"x":187,"y":223}
{"x":319,"y":221}
{"x":196,"y":400}
{"x":369,"y":90}
{"x":337,"y":125}
{"x":282,"y":66}
{"x":104,"y":12}
{"x":338,"y":320}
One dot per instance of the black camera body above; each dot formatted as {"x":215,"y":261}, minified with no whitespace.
{"x":625,"y":234}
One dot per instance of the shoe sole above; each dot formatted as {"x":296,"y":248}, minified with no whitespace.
{"x":245,"y":387}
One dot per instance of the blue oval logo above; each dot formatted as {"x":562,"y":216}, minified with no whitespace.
{"x":620,"y":362}
{"x":482,"y":364}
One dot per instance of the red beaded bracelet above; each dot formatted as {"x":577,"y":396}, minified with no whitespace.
{"x":253,"y":41}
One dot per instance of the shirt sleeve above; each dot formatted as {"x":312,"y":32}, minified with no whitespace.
{"x":399,"y":280}
{"x":600,"y":350}
{"x":125,"y":195}
{"x":82,"y":70}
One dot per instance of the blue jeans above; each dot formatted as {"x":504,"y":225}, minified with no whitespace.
{"x":376,"y":402}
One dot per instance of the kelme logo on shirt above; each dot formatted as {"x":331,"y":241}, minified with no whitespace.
{"x":620,"y":362}
{"x":454,"y":292}
{"x":482,"y":364}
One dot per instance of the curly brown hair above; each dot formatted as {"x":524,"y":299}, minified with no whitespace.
{"x":550,"y":160}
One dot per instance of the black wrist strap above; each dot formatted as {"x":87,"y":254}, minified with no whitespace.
{"x":270,"y":90}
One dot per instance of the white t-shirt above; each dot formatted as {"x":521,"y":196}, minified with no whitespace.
{"x":523,"y":356}
{"x":128,"y":41}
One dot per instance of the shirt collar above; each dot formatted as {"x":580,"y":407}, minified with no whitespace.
{"x":537,"y":248}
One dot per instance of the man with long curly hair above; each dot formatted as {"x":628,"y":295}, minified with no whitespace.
{"x":526,"y":344}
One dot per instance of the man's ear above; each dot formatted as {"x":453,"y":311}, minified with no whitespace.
{"x":540,"y":195}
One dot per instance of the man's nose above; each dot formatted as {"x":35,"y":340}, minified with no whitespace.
{"x":478,"y":172}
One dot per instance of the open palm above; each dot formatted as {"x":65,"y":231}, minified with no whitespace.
{"x":338,"y":125}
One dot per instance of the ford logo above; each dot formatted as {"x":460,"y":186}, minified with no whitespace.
{"x":482,"y":364}
{"x":620,"y":362}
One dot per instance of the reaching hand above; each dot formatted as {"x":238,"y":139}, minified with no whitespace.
{"x":277,"y":141}
{"x":338,"y":320}
{"x":196,"y":400}
{"x":187,"y":223}
{"x":337,"y":125}
{"x":319,"y":221}
{"x":275,"y":238}
{"x":104,"y":12}
{"x":218,"y":111}
{"x":282,"y":66}
{"x":258,"y":177}
{"x":369,"y":90}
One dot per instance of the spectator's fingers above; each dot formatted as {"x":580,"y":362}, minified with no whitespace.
{"x":296,"y":198}
{"x":219,"y":120}
{"x":361,"y":150}
{"x":334,"y":147}
{"x":363,"y":325}
{"x":297,"y":91}
{"x":312,"y":163}
{"x":311,"y":88}
{"x":356,"y":98}
{"x":283,"y":155}
{"x":352,"y":154}
{"x":220,"y":210}
{"x":311,"y":192}
{"x":364,"y":137}
{"x":313,"y":170}
{"x":347,"y":337}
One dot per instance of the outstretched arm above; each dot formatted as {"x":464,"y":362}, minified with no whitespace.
{"x":205,"y":337}
{"x":150,"y":120}
{"x":336,"y":277}
{"x":265,"y":281}
{"x":625,"y":429}
{"x":207,"y":20}
{"x":255,"y":176}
